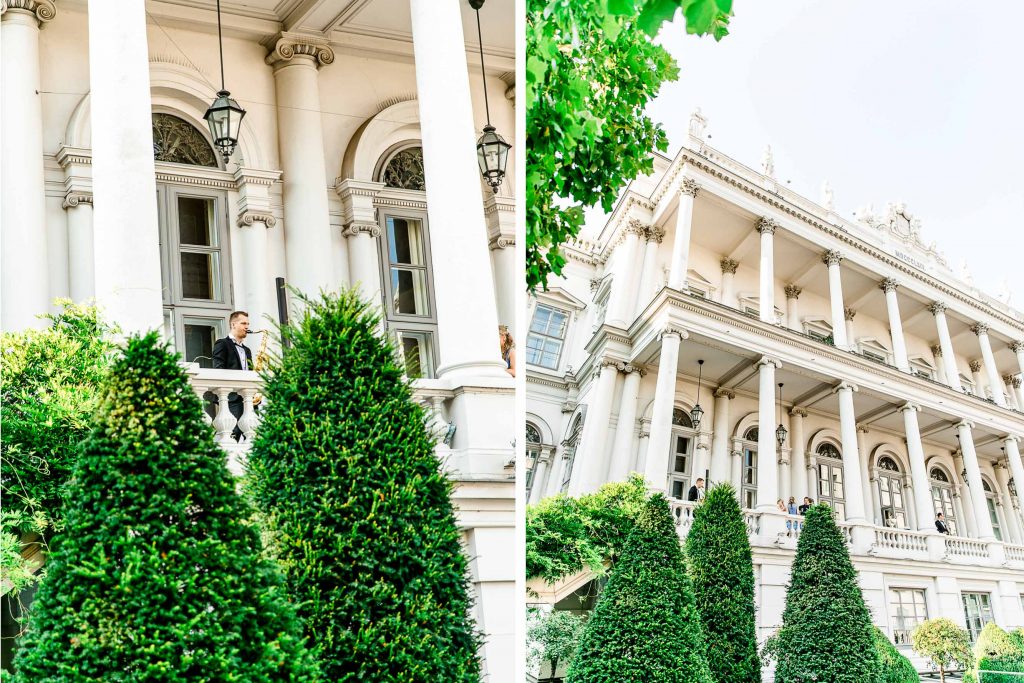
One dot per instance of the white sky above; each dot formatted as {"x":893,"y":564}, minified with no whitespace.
{"x":916,"y":101}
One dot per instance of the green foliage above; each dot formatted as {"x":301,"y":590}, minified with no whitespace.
{"x":567,"y":535}
{"x":158,"y":575}
{"x":895,"y":667}
{"x":722,"y":571}
{"x":591,"y":69}
{"x":944,"y":644}
{"x":554,"y":637}
{"x":645,"y":626}
{"x":997,"y":650}
{"x":345,"y":471}
{"x":826,"y":632}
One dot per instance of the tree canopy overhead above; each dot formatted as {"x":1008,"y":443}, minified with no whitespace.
{"x":591,"y":69}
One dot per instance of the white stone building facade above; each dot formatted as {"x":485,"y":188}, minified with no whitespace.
{"x":356,"y":166}
{"x":900,"y":384}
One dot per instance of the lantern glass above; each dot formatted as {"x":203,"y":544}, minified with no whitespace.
{"x":492,"y":156}
{"x":695,"y":415}
{"x":224,"y":117}
{"x":780,"y":435}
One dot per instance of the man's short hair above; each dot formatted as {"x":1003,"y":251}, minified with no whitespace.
{"x":938,"y":514}
{"x":236,"y":315}
{"x":699,"y":479}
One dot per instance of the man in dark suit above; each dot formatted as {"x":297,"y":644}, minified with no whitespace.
{"x":940,"y":524}
{"x":696,"y":491}
{"x":230,"y":353}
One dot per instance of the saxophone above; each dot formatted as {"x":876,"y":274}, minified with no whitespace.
{"x":260,"y":364}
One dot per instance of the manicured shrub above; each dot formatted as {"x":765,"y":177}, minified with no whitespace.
{"x":944,"y":644}
{"x":645,"y":626}
{"x":158,"y":575}
{"x":997,"y":650}
{"x":895,"y":667}
{"x":722,"y":570}
{"x":554,"y":638}
{"x":359,"y":511}
{"x":826,"y":627}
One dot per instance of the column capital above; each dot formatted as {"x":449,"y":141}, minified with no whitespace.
{"x":769,"y":360}
{"x":888,"y":284}
{"x":797,"y":411}
{"x":248,"y":218}
{"x":850,"y":386}
{"x":655,"y":234}
{"x":766,"y":225}
{"x":629,"y":368}
{"x":863,"y":428}
{"x":832,"y":257}
{"x":1017,"y":346}
{"x":937,"y":307}
{"x":689,"y":187}
{"x":979,"y":328}
{"x":849,"y":313}
{"x":1016,"y":381}
{"x":73,"y":199}
{"x":722,"y":392}
{"x":1009,"y":437}
{"x":635,"y":227}
{"x":975,"y":366}
{"x":672,"y":329}
{"x":793,"y":292}
{"x":44,"y":10}
{"x":285,"y":45}
{"x":609,"y":362}
{"x":964,"y":423}
{"x":936,"y":349}
{"x":908,"y":406}
{"x":729,"y":265}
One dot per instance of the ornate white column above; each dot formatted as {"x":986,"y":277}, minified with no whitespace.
{"x":963,"y":511}
{"x":918,"y":470}
{"x":899,"y":345}
{"x":855,"y":504}
{"x":970,"y":458}
{"x":832,"y":259}
{"x":453,"y":192}
{"x":296,"y":58}
{"x":1011,"y":383}
{"x":798,"y":453}
{"x":540,"y":471}
{"x":812,"y":476}
{"x":767,"y":454}
{"x":23,"y":254}
{"x":1016,"y":468}
{"x":981,"y":329}
{"x":940,"y":364}
{"x":645,"y":291}
{"x":736,"y":467}
{"x":727,"y":293}
{"x":1018,"y":350}
{"x":361,"y":231}
{"x":81,"y":257}
{"x":622,"y":448}
{"x":766,"y":292}
{"x":126,"y":228}
{"x":499,"y":212}
{"x":1012,"y":522}
{"x":623,"y":294}
{"x":908,"y":490}
{"x":938,"y":309}
{"x":660,"y":441}
{"x":720,"y":464}
{"x":848,"y":315}
{"x":590,"y":467}
{"x":784,"y":475}
{"x":254,"y":220}
{"x":868,"y":475}
{"x":793,"y":308}
{"x":688,"y":190}
{"x":979,"y":383}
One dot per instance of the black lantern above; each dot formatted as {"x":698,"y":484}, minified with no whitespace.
{"x":697,"y":413}
{"x":491,"y":148}
{"x":224,"y":117}
{"x":780,"y":432}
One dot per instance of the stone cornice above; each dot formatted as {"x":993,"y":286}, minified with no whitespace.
{"x":253,"y":176}
{"x":286,"y":45}
{"x":220,"y":180}
{"x":44,"y":10}
{"x":73,"y":155}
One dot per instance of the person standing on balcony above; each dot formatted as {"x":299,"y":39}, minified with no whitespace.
{"x":940,"y":524}
{"x":696,"y":492}
{"x":806,"y":506}
{"x":230,"y":353}
{"x":508,"y":349}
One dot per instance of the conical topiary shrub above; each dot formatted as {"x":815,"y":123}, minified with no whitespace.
{"x":895,"y":667}
{"x":345,"y":471}
{"x":157,"y":576}
{"x":645,"y":626}
{"x":722,"y":570}
{"x":826,"y":633}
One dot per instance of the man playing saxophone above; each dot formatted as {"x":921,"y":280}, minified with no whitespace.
{"x":230,"y":353}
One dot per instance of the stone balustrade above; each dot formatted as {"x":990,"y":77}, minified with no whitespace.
{"x":900,"y":541}
{"x":960,"y":548}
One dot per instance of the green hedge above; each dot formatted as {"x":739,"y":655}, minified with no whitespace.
{"x":645,"y":626}
{"x":895,"y":667}
{"x":722,"y":570}
{"x":358,"y":508}
{"x":826,"y":628}
{"x":997,"y":650}
{"x":158,"y":575}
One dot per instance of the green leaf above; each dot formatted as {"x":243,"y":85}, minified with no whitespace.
{"x":655,"y":13}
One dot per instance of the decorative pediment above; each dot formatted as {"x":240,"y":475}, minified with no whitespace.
{"x":561,"y":298}
{"x":904,"y":229}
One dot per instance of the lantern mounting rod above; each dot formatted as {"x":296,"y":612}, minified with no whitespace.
{"x":476,"y":5}
{"x":220,"y":44}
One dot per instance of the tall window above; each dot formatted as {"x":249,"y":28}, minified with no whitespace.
{"x":890,"y":494}
{"x":993,"y":513}
{"x":546,"y":337}
{"x":748,"y":474}
{"x":830,"y":479}
{"x":533,"y":441}
{"x":908,"y":609}
{"x":681,"y":460}
{"x":570,"y":452}
{"x":977,"y":612}
{"x":942,"y":499}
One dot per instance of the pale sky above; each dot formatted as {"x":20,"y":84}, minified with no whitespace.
{"x":916,"y":101}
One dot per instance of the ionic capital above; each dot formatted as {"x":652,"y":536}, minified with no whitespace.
{"x":77,"y":198}
{"x":849,"y":313}
{"x":796,"y":411}
{"x":964,"y":423}
{"x":975,"y":365}
{"x":889,"y":284}
{"x":979,"y":328}
{"x":793,"y":292}
{"x":248,"y":218}
{"x":766,"y":225}
{"x":729,"y":265}
{"x":722,"y":392}
{"x":287,"y":44}
{"x":354,"y":229}
{"x":908,"y":406}
{"x":44,"y":10}
{"x":937,"y":307}
{"x":501,"y":242}
{"x":671,"y":329}
{"x":768,"y":360}
{"x":629,"y":368}
{"x":689,"y":187}
{"x":831,"y":258}
{"x":609,"y":362}
{"x":845,"y":386}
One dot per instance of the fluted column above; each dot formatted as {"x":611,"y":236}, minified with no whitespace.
{"x":918,"y":470}
{"x":622,"y":448}
{"x":653,"y":236}
{"x":979,"y":383}
{"x":855,"y":505}
{"x":767,"y":454}
{"x":938,"y":309}
{"x":970,"y":458}
{"x":766,"y":273}
{"x":848,"y":315}
{"x":981,"y":329}
{"x":591,"y":463}
{"x":727,"y":292}
{"x":720,"y":461}
{"x":81,"y":257}
{"x":1013,"y":461}
{"x":453,"y":186}
{"x":1013,"y":534}
{"x":899,"y":345}
{"x":793,"y":307}
{"x":832,"y":259}
{"x":660,"y":441}
{"x":623,"y":295}
{"x":688,"y":190}
{"x":940,"y":364}
{"x":798,"y":452}
{"x":23,"y":251}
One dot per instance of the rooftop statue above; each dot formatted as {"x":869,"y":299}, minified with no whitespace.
{"x":827,"y":196}
{"x":698,"y":123}
{"x":768,"y":162}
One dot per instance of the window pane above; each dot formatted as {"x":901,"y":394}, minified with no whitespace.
{"x":417,"y":351}
{"x":405,"y":241}
{"x":409,"y":291}
{"x":556,"y":328}
{"x":540,"y":319}
{"x":199,"y":276}
{"x":195,"y":221}
{"x":682,"y":444}
{"x":677,"y":490}
{"x":680,"y":464}
{"x":199,"y":339}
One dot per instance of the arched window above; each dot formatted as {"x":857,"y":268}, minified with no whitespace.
{"x":748,"y":470}
{"x":569,"y":454}
{"x":991,"y":499}
{"x":404,"y":170}
{"x":890,"y":494}
{"x":179,"y":142}
{"x":942,"y":499}
{"x":533,"y":442}
{"x":681,"y":460}
{"x":831,"y":487}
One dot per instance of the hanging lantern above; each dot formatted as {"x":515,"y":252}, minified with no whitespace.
{"x":697,"y":412}
{"x":224,"y":117}
{"x":491,"y":148}
{"x":780,"y":431}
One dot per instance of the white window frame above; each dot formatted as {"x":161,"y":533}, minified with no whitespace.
{"x":894,"y":478}
{"x":979,"y":597}
{"x":831,"y":463}
{"x":935,"y":488}
{"x":544,"y":336}
{"x":922,"y":368}
{"x":748,"y":469}
{"x":899,"y":624}
{"x":872,"y":349}
{"x":686,"y":477}
{"x":750,"y":304}
{"x":818,"y":328}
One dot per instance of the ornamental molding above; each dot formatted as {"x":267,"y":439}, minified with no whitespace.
{"x":901,"y":226}
{"x":849,"y":313}
{"x":979,"y":328}
{"x":44,"y":10}
{"x":222,"y":183}
{"x":76,"y":198}
{"x":355,"y":228}
{"x":729,"y":265}
{"x":937,"y":307}
{"x":655,"y":234}
{"x":888,"y":284}
{"x":287,"y":44}
{"x":766,"y":224}
{"x":936,"y":350}
{"x":689,"y":187}
{"x":552,"y":382}
{"x":832,"y":257}
{"x":67,"y":156}
{"x":248,"y":218}
{"x":975,"y":366}
{"x":253,"y":176}
{"x":400,"y":203}
{"x":722,"y":392}
{"x":798,"y":412}
{"x":793,"y":292}
{"x":1017,"y":346}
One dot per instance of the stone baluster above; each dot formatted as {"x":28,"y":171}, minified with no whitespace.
{"x":224,"y":422}
{"x":248,"y":422}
